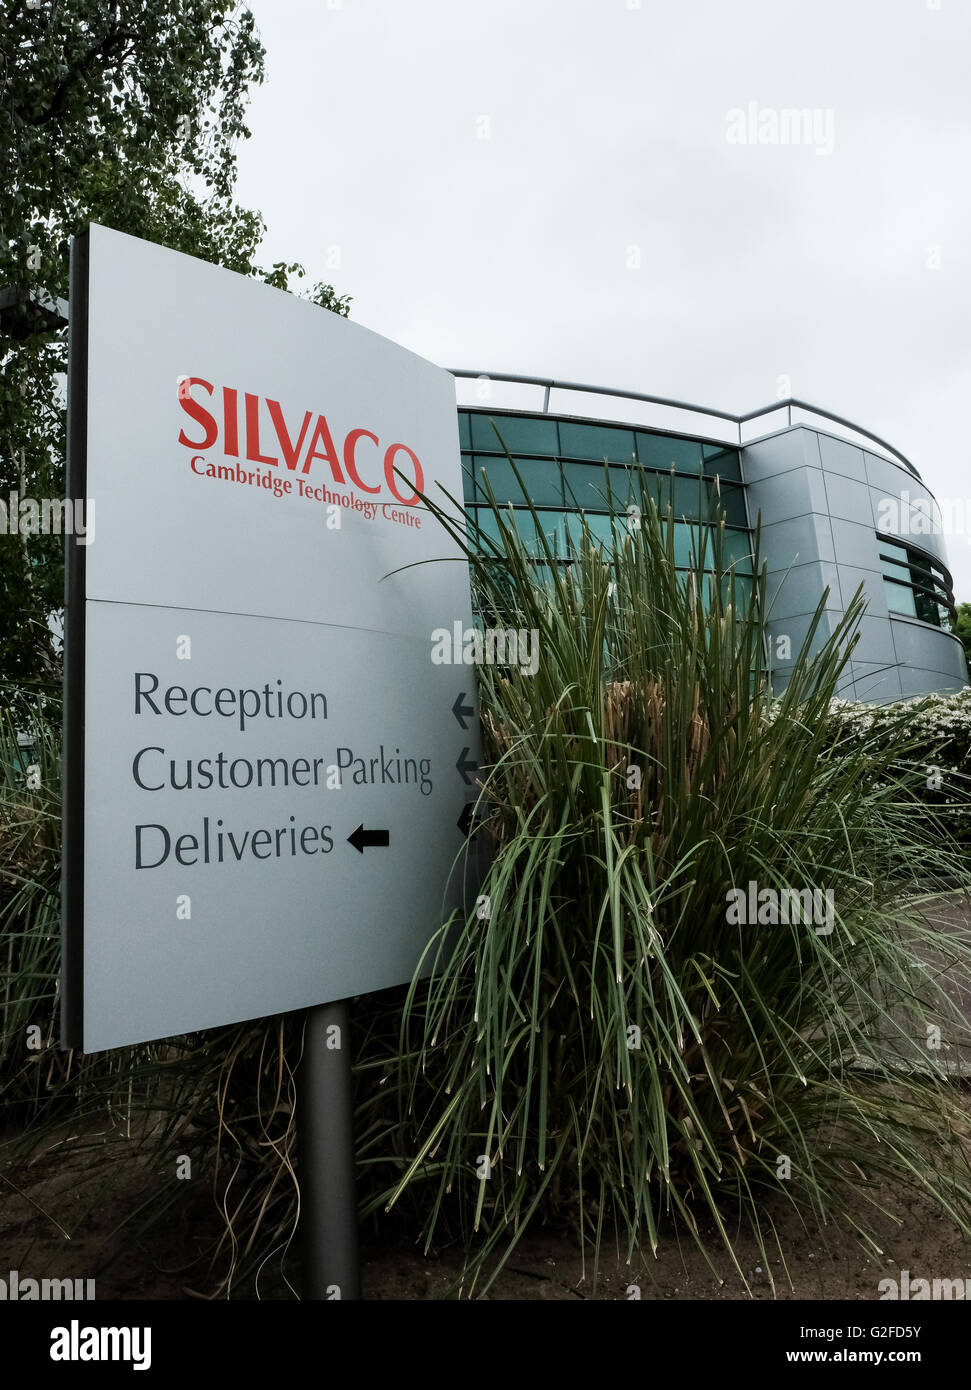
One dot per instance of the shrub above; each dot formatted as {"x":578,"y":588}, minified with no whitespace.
{"x":601,"y":1044}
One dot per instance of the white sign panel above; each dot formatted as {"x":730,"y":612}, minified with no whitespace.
{"x":268,"y":777}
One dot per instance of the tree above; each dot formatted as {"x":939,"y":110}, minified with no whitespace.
{"x":128,"y":114}
{"x":962,"y":628}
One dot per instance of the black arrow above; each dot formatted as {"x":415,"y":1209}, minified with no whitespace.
{"x":459,"y":710}
{"x":465,"y":767}
{"x":362,"y":837}
{"x":464,"y":821}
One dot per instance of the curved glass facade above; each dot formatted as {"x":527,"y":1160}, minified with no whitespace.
{"x":562,"y":463}
{"x":816,"y":496}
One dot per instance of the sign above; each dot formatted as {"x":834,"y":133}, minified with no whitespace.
{"x":267,"y":776}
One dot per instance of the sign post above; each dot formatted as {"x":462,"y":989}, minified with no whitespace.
{"x":265,"y":786}
{"x":326,"y":1141}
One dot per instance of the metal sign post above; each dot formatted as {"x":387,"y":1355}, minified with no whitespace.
{"x":328,"y":1215}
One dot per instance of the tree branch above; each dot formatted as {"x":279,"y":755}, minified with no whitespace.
{"x":111,"y":41}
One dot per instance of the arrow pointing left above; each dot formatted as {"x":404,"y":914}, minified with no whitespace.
{"x":465,"y":765}
{"x":361,"y":838}
{"x":462,"y":711}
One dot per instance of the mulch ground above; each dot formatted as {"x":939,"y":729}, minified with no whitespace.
{"x":60,"y":1223}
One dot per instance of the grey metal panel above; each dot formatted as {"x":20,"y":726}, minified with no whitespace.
{"x":894,"y":514}
{"x":777,"y":453}
{"x":855,"y":544}
{"x":848,"y":498}
{"x":796,"y":628}
{"x":914,"y":681}
{"x":919,"y":644}
{"x":887,"y":476}
{"x":872,"y":681}
{"x":798,"y":541}
{"x":934,"y":544}
{"x":904,"y":498}
{"x":852,"y":576}
{"x":800,"y":589}
{"x":787,"y":495}
{"x":811,"y":444}
{"x":955,"y":516}
{"x":875,"y":641}
{"x":839,"y":457}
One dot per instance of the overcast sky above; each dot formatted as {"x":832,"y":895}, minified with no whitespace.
{"x":556,"y":188}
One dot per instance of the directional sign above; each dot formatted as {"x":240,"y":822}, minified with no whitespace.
{"x":463,"y":712}
{"x":266,"y":772}
{"x":362,"y":837}
{"x":465,"y":766}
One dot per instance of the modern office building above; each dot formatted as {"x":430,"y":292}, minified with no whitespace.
{"x":838,"y":507}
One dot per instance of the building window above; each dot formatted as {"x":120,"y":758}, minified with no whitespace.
{"x":569,"y":466}
{"x":915,"y":585}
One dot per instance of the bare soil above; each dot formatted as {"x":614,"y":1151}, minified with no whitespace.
{"x":61,"y":1224}
{"x":69,"y":1215}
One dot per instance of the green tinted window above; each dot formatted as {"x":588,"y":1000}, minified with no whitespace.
{"x":552,"y":526}
{"x":519,"y":434}
{"x":588,"y":485}
{"x":666,"y":451}
{"x":688,"y":544}
{"x":548,"y":575}
{"x":485,"y":520}
{"x":737,"y":548}
{"x":900,"y":599}
{"x":729,"y":584}
{"x":732,"y":501}
{"x":906,"y":573}
{"x":698,"y":499}
{"x":550,"y":523}
{"x":721,"y":460}
{"x":468,"y":480}
{"x":599,"y":526}
{"x":927,"y":609}
{"x":690,"y":541}
{"x":540,"y":477}
{"x":596,"y":442}
{"x":465,"y":437}
{"x":896,"y":569}
{"x":693,"y":498}
{"x":741,"y":586}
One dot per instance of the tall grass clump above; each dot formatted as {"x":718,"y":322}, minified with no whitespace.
{"x":225,"y":1097}
{"x":30,"y":901}
{"x":603,"y":1043}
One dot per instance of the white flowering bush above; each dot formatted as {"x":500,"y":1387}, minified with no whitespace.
{"x":941,"y":722}
{"x":937,"y":732}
